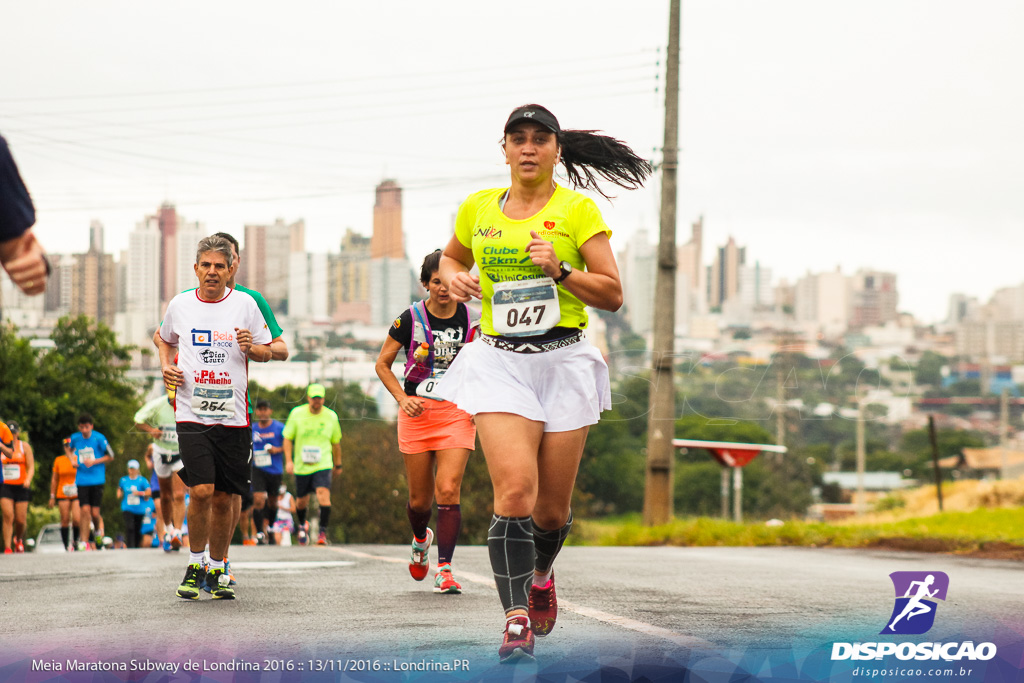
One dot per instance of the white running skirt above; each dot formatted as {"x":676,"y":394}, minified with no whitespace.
{"x":566,"y":389}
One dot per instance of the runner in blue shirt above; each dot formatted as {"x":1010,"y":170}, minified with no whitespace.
{"x":267,"y":469}
{"x":91,"y":451}
{"x":132,"y":491}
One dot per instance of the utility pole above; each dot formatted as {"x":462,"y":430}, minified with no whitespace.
{"x":1004,"y":428}
{"x":661,"y":423}
{"x":860,"y":454}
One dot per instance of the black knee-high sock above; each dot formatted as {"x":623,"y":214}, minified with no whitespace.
{"x":325,"y":517}
{"x":449,"y":523}
{"x":65,"y":534}
{"x":257,"y":519}
{"x":418,"y":520}
{"x":76,"y":534}
{"x":510,"y":546}
{"x":548,"y":543}
{"x":301,"y":514}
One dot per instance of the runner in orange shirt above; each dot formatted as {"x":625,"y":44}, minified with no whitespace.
{"x":19,"y":467}
{"x":64,"y":493}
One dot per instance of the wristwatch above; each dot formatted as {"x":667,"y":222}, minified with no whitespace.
{"x":565,"y":268}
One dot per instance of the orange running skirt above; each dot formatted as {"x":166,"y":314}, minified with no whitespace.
{"x":441,"y":425}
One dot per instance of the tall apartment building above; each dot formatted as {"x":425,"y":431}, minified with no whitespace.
{"x":822,"y":300}
{"x":308,"y":290}
{"x":874,"y":298}
{"x":755,"y":287}
{"x":93,"y":281}
{"x":391,"y":287}
{"x":724,"y":273}
{"x":186,"y":240}
{"x":143,"y":282}
{"x":266,"y":259}
{"x":167,"y":223}
{"x":639,"y":268}
{"x":962,"y":307}
{"x":388,"y":240}
{"x":349,"y":278}
{"x":690,"y":277}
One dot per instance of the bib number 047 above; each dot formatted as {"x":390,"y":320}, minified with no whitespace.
{"x":525,"y":307}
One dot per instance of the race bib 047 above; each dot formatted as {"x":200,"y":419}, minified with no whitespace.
{"x":525,"y":307}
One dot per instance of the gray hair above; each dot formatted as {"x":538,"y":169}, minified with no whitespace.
{"x":215,"y":243}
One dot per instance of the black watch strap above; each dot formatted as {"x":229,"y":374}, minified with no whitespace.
{"x":564,"y":272}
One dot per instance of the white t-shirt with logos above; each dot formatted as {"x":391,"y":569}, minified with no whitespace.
{"x":216,"y":371}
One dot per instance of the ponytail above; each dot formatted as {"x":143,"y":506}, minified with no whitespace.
{"x":587,"y":155}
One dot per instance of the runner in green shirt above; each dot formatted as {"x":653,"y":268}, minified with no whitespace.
{"x":312,"y":451}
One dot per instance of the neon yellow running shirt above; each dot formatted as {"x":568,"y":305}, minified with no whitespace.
{"x":499,"y":243}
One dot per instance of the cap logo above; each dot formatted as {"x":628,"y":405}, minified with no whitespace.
{"x":528,"y":114}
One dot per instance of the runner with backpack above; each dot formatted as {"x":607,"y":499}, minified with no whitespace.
{"x":433,"y":434}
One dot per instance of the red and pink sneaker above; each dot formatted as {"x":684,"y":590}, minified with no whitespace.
{"x":419,"y":561}
{"x":518,"y":641}
{"x":543,"y":607}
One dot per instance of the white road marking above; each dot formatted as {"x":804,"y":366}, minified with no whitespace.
{"x":596,"y":614}
{"x":290,"y":566}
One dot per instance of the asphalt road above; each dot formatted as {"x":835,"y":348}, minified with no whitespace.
{"x":338,"y":606}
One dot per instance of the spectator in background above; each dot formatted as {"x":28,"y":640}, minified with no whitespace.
{"x":20,"y":253}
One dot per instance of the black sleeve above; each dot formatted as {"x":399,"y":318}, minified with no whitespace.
{"x":16,"y":212}
{"x":401,"y":329}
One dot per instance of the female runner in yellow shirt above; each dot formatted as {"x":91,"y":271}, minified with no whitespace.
{"x":533,"y":387}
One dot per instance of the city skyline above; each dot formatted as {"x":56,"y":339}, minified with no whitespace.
{"x":880,"y":136}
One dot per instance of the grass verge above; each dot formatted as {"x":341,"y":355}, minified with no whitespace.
{"x":985,"y":532}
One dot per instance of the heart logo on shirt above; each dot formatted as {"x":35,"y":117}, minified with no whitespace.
{"x":550,"y":225}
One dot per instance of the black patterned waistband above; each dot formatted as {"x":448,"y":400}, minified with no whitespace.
{"x":526,"y":346}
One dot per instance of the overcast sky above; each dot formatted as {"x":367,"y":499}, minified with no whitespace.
{"x":869,"y":134}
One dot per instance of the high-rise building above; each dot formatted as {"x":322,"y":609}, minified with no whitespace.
{"x":349,"y":298}
{"x":962,"y":307}
{"x":308,"y":289}
{"x":167,"y":222}
{"x":57,"y":299}
{"x":690,"y":276}
{"x":186,"y":240}
{"x":143,"y":289}
{"x":822,"y":300}
{"x":391,"y":287}
{"x":266,"y":259}
{"x":873,"y":298}
{"x":639,"y":268}
{"x":388,"y":240}
{"x":724,"y":279}
{"x":755,"y":287}
{"x":93,"y":281}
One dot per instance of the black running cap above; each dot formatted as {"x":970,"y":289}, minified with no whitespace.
{"x":535,"y":113}
{"x":13,"y":426}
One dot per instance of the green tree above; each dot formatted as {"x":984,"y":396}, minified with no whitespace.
{"x":929,"y":369}
{"x":46,"y":391}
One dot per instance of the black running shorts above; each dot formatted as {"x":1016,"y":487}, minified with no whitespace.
{"x":264,"y":482}
{"x":91,"y":495}
{"x":215,"y":454}
{"x":305,"y":484}
{"x":16,"y":492}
